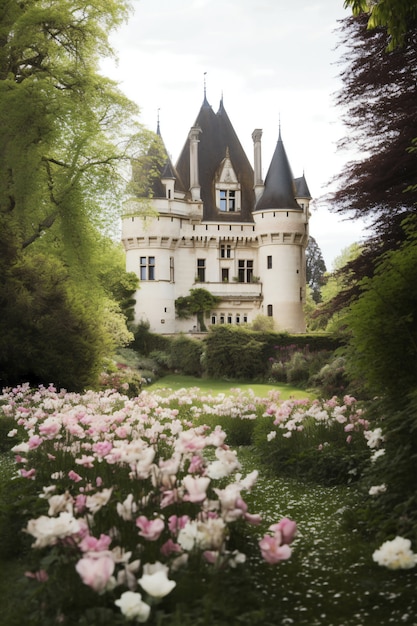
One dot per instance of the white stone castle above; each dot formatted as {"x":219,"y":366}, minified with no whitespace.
{"x":217,"y":225}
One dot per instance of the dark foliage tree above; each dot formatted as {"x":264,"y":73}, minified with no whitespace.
{"x":315,"y":269}
{"x":378,"y":99}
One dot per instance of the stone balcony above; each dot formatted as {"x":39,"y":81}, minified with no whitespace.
{"x":233,"y":290}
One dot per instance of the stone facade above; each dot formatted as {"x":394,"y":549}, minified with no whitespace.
{"x":217,"y":225}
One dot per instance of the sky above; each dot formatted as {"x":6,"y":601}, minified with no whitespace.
{"x":274,"y":62}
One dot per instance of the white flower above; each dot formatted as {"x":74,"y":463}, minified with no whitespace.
{"x":59,"y":503}
{"x":127,"y":508}
{"x":227,"y":462}
{"x":377,"y":454}
{"x":187,"y":537}
{"x":374,"y":437}
{"x":132,"y":607}
{"x":395,"y":554}
{"x":98,"y":500}
{"x":270,"y":436}
{"x":47,"y":530}
{"x":155,"y":580}
{"x":377,"y":489}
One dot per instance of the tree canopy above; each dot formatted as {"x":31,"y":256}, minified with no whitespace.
{"x":377,"y":101}
{"x":67,"y":135}
{"x":395,"y":15}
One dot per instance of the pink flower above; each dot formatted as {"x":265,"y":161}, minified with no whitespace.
{"x":287,"y":529}
{"x":95,"y":572}
{"x":30,"y":474}
{"x":176,"y":523}
{"x":169,"y":547}
{"x":150,"y":529}
{"x":41,"y":575}
{"x":34,"y":442}
{"x":272,"y":551}
{"x":102,"y":448}
{"x":92,"y":544}
{"x":80,"y":502}
{"x":74,"y":476}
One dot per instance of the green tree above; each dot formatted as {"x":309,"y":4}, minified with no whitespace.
{"x":395,"y":15}
{"x":315,"y":268}
{"x":66,"y":136}
{"x":199,"y":302}
{"x":383,"y":324}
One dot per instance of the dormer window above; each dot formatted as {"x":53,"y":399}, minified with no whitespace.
{"x":227,"y":187}
{"x":227,"y":200}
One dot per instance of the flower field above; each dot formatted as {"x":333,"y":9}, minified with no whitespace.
{"x":141,"y":510}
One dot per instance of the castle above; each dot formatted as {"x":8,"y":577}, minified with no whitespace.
{"x":218,"y":226}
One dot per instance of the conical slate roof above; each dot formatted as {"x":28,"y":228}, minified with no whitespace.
{"x":279,"y":191}
{"x":301,"y":188}
{"x":217,"y":139}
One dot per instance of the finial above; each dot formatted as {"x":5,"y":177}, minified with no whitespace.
{"x":279,"y":125}
{"x":158,"y":130}
{"x":205,"y":86}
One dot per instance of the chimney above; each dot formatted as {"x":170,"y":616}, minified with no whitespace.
{"x":257,"y":157}
{"x":194,"y":184}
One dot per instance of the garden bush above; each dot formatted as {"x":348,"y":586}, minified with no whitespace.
{"x":185,"y":355}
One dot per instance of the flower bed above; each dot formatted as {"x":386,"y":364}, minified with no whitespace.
{"x":133,"y":500}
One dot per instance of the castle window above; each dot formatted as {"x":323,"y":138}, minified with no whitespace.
{"x":147,"y":268}
{"x":237,"y":318}
{"x":269,"y":310}
{"x":245,"y":270}
{"x":269,"y":262}
{"x":225,"y":251}
{"x":201,"y":270}
{"x":221,"y":319}
{"x":227,"y":200}
{"x":214,"y":319}
{"x":245,"y":318}
{"x":225,"y":274}
{"x":171,"y":269}
{"x":229,"y":318}
{"x":227,"y":187}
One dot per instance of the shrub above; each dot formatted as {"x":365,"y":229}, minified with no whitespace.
{"x":235,"y":353}
{"x":185,"y":355}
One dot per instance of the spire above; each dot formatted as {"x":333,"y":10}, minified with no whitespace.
{"x":205,"y":89}
{"x":279,"y":191}
{"x":158,"y":128}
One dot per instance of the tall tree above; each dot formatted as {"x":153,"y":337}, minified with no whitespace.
{"x":315,"y":269}
{"x":64,"y":128}
{"x":378,"y":102}
{"x":65,"y":133}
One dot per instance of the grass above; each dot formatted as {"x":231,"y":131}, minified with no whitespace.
{"x":331,"y":579}
{"x":177,"y":381}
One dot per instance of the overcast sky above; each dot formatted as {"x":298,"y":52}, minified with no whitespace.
{"x":273,"y":60}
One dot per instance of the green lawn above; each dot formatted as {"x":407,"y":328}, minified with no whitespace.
{"x":177,"y":381}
